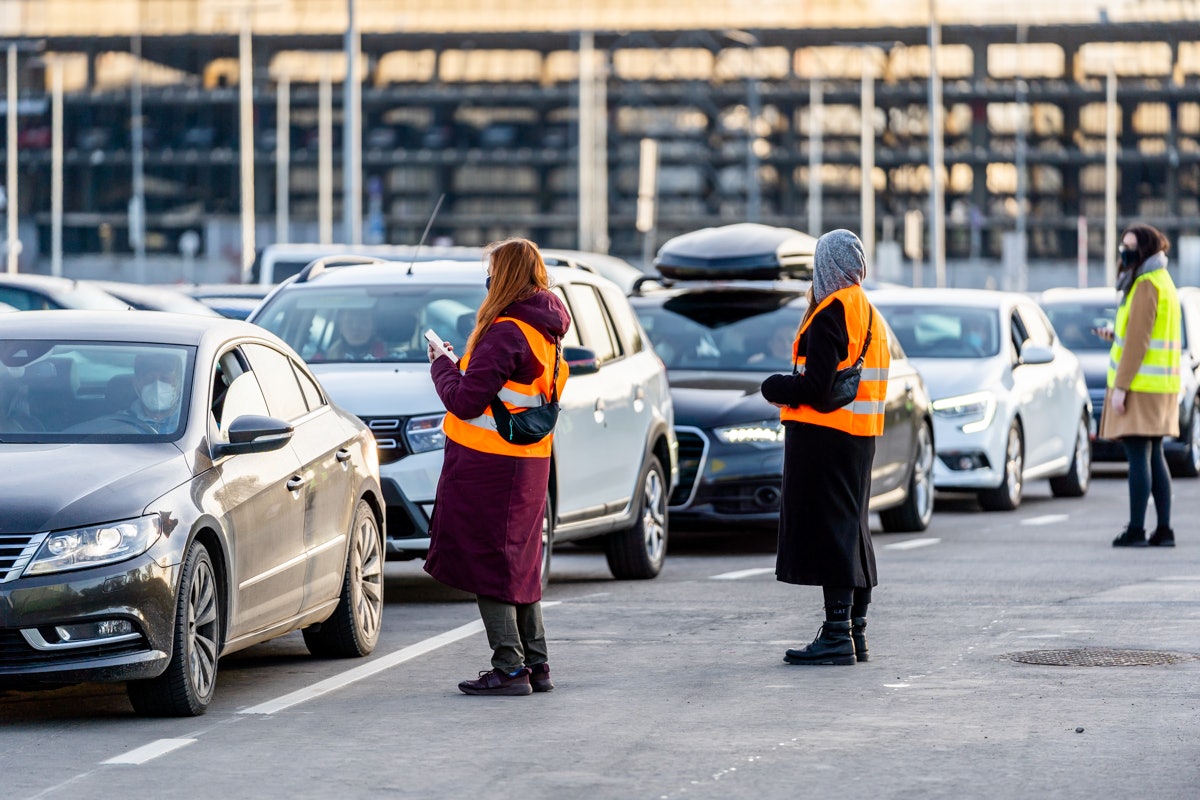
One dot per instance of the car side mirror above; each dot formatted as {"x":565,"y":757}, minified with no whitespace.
{"x":581,"y":360}
{"x":252,"y":433}
{"x":1036,"y":354}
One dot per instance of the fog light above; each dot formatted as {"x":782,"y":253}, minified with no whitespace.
{"x":101,"y":629}
{"x":964,"y":461}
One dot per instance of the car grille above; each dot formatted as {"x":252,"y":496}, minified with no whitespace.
{"x":16,"y":652}
{"x":692,"y":448}
{"x":15,"y":551}
{"x":389,"y":437}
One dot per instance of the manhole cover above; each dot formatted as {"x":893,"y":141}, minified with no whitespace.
{"x":1098,"y":657}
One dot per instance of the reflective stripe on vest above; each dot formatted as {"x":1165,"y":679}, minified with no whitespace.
{"x":480,"y":433}
{"x":1159,"y":372}
{"x":864,"y":415}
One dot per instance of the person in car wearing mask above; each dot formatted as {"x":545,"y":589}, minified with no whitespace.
{"x":156,"y":380}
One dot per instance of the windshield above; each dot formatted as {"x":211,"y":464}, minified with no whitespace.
{"x":945,"y":331}
{"x":727,"y":331}
{"x":372,"y":323}
{"x":63,"y":391}
{"x":1073,"y":322}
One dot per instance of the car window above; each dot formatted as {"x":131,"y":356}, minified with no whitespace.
{"x":1036,"y":327}
{"x":243,"y":396}
{"x":64,"y":391}
{"x":1017,"y":333}
{"x":596,"y":328}
{"x":312,"y":393}
{"x":371,"y":323}
{"x":627,"y":326}
{"x":938,"y":331}
{"x":23,"y":300}
{"x":1073,"y":322}
{"x":278,"y":381}
{"x":571,"y":337}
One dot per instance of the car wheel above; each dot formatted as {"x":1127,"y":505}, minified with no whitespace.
{"x":1007,"y":496}
{"x":1188,"y":463}
{"x":917,"y":509}
{"x":353,"y":628}
{"x":185,"y":688}
{"x":1075,"y":482}
{"x":638,"y":553}
{"x":547,"y":541}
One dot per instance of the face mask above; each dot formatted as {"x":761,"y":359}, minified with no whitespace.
{"x":487,"y":282}
{"x":1128,"y":257}
{"x":158,"y":396}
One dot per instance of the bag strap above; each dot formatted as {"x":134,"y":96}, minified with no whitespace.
{"x":861,"y":356}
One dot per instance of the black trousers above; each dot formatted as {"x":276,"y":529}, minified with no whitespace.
{"x":1148,"y":474}
{"x":515,"y":633}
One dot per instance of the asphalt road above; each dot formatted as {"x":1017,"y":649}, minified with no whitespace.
{"x":676,"y":688}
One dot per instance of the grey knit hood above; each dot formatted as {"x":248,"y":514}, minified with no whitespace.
{"x":839,"y":262}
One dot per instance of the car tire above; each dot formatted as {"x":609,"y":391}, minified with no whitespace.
{"x":547,"y":541}
{"x":1187,"y":464}
{"x":186,"y":686}
{"x":916,"y":511}
{"x":352,"y":630}
{"x":638,"y":552}
{"x":1075,"y":482}
{"x":1007,"y":496}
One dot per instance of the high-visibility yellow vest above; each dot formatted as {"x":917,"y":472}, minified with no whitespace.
{"x":1159,"y":371}
{"x":480,"y":433}
{"x":864,"y":415}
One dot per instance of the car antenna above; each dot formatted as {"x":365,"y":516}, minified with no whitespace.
{"x":428,"y":225}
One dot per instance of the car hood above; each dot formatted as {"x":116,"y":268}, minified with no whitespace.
{"x":50,"y":487}
{"x":380,"y":389}
{"x":950,"y":377}
{"x":1095,"y":368}
{"x":712,"y":399}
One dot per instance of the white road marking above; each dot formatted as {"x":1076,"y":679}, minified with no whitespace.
{"x":741,"y":573}
{"x":912,"y":544}
{"x":1046,"y":519}
{"x":140,"y":755}
{"x":896,"y":685}
{"x":367,"y":670}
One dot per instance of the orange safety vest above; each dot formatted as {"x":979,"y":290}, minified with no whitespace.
{"x":863,"y":416}
{"x":480,"y":433}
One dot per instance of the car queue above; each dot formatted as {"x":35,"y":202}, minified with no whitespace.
{"x":306,"y":447}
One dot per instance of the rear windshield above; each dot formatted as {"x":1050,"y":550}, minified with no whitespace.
{"x":63,"y":391}
{"x":371,"y":323}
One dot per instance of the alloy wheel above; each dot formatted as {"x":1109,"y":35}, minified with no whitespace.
{"x":201,"y":641}
{"x":367,"y":576}
{"x":654,"y":516}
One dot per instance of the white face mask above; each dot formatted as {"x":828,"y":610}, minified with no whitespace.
{"x":158,"y":396}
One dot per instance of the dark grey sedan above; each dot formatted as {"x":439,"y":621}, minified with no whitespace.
{"x":175,"y":488}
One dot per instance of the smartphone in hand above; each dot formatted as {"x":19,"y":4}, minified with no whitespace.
{"x":439,"y":346}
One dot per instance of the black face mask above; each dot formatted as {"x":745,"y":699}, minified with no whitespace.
{"x":487,"y":282}
{"x":1128,"y":257}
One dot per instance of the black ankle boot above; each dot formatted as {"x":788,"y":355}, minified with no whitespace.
{"x":1162,"y":537}
{"x":858,"y":632}
{"x":833,"y":645}
{"x":1131,"y":537}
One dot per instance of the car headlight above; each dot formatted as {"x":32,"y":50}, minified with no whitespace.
{"x":767,"y":432}
{"x":425,"y":433}
{"x":91,"y":547}
{"x":970,"y":412}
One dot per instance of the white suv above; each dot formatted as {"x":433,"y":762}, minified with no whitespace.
{"x":615,"y":454}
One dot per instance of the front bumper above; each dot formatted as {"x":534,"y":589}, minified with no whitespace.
{"x":139,"y":591}
{"x":409,"y":488}
{"x":721,"y":483}
{"x":969,"y":461}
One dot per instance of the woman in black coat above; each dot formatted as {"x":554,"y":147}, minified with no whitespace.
{"x":824,"y":538}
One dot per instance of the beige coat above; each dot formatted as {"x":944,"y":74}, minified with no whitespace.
{"x":1146,"y":413}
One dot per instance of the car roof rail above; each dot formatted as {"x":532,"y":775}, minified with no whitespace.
{"x":318,"y":265}
{"x":650,"y":281}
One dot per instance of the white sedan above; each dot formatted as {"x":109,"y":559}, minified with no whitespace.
{"x":1009,"y":401}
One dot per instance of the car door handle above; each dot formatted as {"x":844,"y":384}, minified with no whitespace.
{"x":343,"y":455}
{"x":296,"y":483}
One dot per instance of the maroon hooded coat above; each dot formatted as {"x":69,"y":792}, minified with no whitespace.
{"x":486,"y":532}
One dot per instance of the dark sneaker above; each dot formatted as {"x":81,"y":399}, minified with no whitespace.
{"x":497,"y":681}
{"x":1162,"y":537}
{"x":1131,"y":537}
{"x":539,"y":677}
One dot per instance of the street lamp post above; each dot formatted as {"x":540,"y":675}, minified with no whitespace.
{"x":137,"y":203}
{"x":352,"y":132}
{"x":937,"y":217}
{"x":13,"y":243}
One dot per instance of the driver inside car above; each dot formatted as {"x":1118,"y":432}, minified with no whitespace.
{"x":156,"y":380}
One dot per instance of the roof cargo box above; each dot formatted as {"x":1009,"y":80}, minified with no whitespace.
{"x":743,"y":251}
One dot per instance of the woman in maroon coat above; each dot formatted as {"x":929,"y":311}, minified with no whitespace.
{"x":486,"y":532}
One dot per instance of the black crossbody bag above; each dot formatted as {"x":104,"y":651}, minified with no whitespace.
{"x":533,"y":424}
{"x":845,"y":381}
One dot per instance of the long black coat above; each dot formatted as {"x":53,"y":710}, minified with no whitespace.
{"x":824,"y":533}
